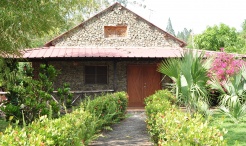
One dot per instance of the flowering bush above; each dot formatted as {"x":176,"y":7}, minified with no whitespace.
{"x":228,"y":78}
{"x":224,"y":66}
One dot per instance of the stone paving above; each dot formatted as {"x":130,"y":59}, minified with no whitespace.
{"x":129,"y":132}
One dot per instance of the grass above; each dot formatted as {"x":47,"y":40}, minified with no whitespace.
{"x":236,"y":134}
{"x":3,"y":125}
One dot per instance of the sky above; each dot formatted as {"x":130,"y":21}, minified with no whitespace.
{"x":191,"y":14}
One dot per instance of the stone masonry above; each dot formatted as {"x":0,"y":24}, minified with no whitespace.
{"x":91,"y":33}
{"x":140,"y":33}
{"x":72,"y":72}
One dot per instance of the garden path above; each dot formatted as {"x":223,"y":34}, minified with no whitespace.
{"x":131,"y":132}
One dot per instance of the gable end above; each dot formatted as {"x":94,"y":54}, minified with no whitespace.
{"x":140,"y":32}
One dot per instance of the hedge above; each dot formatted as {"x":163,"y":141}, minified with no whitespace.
{"x":168,"y":125}
{"x":77,"y":128}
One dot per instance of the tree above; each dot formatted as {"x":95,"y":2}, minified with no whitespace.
{"x":216,"y":37}
{"x":184,"y":35}
{"x":29,"y":99}
{"x":25,"y":20}
{"x":169,"y":27}
{"x":190,"y":77}
{"x":244,"y":26}
{"x":242,"y":35}
{"x":124,"y":2}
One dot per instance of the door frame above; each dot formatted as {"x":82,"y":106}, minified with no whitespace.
{"x":142,"y":65}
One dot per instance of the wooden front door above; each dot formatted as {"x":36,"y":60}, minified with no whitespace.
{"x":142,"y":81}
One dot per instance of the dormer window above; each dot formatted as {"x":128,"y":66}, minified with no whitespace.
{"x":115,"y":31}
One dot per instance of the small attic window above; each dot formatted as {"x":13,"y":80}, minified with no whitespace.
{"x":115,"y":31}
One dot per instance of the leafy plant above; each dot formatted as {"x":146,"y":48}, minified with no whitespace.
{"x":157,"y":103}
{"x":233,"y":95}
{"x":77,"y":128}
{"x":224,"y":66}
{"x":110,"y":108}
{"x":168,"y":125}
{"x":31,"y":98}
{"x":65,"y":96}
{"x":190,"y":77}
{"x":219,"y":36}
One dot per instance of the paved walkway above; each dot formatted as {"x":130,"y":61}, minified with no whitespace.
{"x":129,"y":132}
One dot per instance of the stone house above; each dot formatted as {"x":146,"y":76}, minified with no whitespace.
{"x":115,"y":50}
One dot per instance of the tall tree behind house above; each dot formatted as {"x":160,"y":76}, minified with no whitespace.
{"x":184,"y":35}
{"x":169,"y":27}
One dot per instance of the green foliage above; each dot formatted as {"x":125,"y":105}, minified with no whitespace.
{"x":24,"y":21}
{"x":31,"y":98}
{"x":109,"y":108}
{"x":184,"y":35}
{"x":169,"y":27}
{"x":8,"y":69}
{"x":158,"y":102}
{"x":64,"y":96}
{"x":77,"y":128}
{"x":236,"y":132}
{"x":190,"y":78}
{"x":168,"y":125}
{"x":216,"y":37}
{"x":233,"y":91}
{"x":3,"y":124}
{"x":242,"y":35}
{"x":244,"y":25}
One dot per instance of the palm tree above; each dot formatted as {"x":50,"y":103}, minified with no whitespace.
{"x":190,"y":77}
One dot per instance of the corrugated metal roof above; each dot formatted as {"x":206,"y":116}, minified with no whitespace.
{"x":110,"y":52}
{"x":103,"y":52}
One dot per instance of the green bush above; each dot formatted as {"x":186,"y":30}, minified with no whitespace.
{"x":110,"y":108}
{"x":28,"y":99}
{"x":77,"y":128}
{"x":157,"y":103}
{"x":168,"y":125}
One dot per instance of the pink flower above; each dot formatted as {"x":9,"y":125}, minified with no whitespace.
{"x":224,"y":66}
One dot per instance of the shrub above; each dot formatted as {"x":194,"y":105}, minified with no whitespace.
{"x":168,"y":125}
{"x":224,"y":66}
{"x":65,"y":96}
{"x":228,"y":77}
{"x":29,"y":99}
{"x":77,"y":128}
{"x":156,"y":103}
{"x":233,"y":99}
{"x":72,"y":129}
{"x":110,"y":108}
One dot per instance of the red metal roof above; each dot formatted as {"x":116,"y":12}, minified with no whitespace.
{"x":110,"y":52}
{"x":103,"y":52}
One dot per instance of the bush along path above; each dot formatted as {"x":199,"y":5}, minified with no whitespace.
{"x":130,"y":132}
{"x":77,"y":128}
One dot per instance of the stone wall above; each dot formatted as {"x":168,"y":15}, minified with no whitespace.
{"x":139,"y":32}
{"x":72,"y":72}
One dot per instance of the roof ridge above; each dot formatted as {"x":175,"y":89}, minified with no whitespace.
{"x":49,"y":43}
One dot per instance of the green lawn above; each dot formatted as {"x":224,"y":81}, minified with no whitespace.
{"x":3,"y":125}
{"x":236,"y":134}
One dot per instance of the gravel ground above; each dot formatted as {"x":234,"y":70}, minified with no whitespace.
{"x":130,"y":132}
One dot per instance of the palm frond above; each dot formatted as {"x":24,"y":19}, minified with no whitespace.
{"x":170,"y":67}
